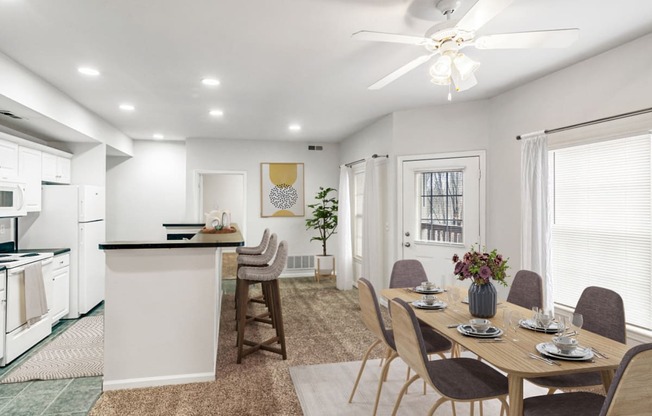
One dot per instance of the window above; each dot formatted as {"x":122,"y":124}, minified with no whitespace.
{"x":601,"y":232}
{"x":358,"y":201}
{"x":441,"y":208}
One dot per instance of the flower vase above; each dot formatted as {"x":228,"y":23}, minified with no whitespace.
{"x":482,"y":300}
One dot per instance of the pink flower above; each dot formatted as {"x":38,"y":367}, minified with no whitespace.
{"x":485,"y":273}
{"x":458,"y":267}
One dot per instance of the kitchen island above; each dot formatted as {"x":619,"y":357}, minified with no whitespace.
{"x":162,"y":309}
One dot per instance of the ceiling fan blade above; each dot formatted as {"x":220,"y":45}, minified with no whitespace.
{"x":482,"y":12}
{"x":400,"y":72}
{"x":389,"y":37}
{"x":539,"y":39}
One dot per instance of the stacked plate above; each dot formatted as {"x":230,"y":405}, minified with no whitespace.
{"x":578,"y":354}
{"x":532,"y":325}
{"x":426,"y":291}
{"x":468,"y":330}
{"x":423,"y":305}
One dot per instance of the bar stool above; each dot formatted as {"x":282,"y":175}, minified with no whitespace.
{"x":259,"y":248}
{"x":260,"y":260}
{"x":268,"y":277}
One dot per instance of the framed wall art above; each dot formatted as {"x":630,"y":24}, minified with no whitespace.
{"x":281,"y":190}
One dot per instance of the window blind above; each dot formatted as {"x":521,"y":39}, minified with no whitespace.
{"x":601,"y":232}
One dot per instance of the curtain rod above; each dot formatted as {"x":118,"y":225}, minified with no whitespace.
{"x":355,"y":162}
{"x":598,"y":121}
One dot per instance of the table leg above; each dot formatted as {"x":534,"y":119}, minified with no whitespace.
{"x":515,"y":395}
{"x":607,"y":377}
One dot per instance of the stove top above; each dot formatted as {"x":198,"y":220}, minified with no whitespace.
{"x":10,"y":260}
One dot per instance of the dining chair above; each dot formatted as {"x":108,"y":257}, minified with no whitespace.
{"x":604,"y":314}
{"x":629,"y":393}
{"x":455,"y":379}
{"x":526,"y":290}
{"x":434,"y":343}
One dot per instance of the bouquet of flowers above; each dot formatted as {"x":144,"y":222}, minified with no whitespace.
{"x":481,"y":267}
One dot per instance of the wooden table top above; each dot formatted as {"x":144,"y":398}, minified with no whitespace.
{"x":509,"y":356}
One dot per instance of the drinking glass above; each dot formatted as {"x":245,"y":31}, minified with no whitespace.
{"x":453,"y":297}
{"x":545,"y":319}
{"x":514,"y":322}
{"x":576,"y":322}
{"x":562,"y":324}
{"x":506,"y":319}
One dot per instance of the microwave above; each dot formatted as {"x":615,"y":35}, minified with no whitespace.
{"x":12,"y":199}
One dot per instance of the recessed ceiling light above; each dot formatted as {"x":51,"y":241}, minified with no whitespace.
{"x":211,"y":82}
{"x":294,"y":127}
{"x":88,"y":71}
{"x":216,"y":113}
{"x":127,"y":107}
{"x":158,"y":136}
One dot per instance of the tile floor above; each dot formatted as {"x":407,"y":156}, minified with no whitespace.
{"x":65,"y":397}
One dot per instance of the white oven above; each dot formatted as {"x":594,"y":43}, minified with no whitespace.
{"x":19,"y":335}
{"x":12,"y":199}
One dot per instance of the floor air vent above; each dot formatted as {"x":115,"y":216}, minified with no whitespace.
{"x":301,"y":262}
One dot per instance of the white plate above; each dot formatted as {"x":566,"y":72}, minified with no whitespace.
{"x":579,"y":354}
{"x":531,"y":325}
{"x":434,"y":291}
{"x":423,"y":305}
{"x":467,"y":330}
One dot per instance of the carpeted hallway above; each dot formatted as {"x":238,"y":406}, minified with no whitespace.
{"x":322,"y":325}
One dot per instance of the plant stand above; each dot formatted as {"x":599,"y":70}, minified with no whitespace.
{"x":324,"y":268}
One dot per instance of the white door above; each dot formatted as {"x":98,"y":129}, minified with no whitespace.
{"x":442,"y":210}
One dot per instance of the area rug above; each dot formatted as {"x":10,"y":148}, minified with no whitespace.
{"x":77,"y":352}
{"x":324,"y":389}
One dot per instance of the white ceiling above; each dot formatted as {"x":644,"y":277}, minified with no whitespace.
{"x":279,"y":61}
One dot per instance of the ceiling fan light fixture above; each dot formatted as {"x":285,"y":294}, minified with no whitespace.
{"x":441,"y":67}
{"x":462,"y":84}
{"x":465,"y":66}
{"x":440,"y":80}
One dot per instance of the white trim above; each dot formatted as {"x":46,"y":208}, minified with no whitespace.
{"x":133,"y":383}
{"x":480,"y":154}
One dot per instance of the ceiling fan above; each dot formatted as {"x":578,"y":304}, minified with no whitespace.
{"x":452,"y":66}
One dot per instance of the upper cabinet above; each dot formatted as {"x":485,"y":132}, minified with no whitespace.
{"x":8,"y":160}
{"x":29,"y":171}
{"x":56,"y":169}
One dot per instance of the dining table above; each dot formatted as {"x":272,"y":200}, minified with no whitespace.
{"x":514,"y":357}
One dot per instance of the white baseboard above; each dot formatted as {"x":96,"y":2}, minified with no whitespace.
{"x":134,"y":383}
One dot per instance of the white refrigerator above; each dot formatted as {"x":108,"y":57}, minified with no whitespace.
{"x":72,"y":216}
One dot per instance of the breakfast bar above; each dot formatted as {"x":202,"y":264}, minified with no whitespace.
{"x":162,"y":308}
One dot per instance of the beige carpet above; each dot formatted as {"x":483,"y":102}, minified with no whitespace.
{"x":322,"y":325}
{"x":324,"y":390}
{"x":77,"y":352}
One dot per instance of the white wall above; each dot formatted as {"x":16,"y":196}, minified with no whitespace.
{"x":320,"y":169}
{"x":145,"y":191}
{"x":88,"y":165}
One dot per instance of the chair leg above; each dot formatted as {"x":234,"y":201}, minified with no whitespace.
{"x":364,"y":362}
{"x":383,"y":377}
{"x":403,"y":392}
{"x":242,"y":317}
{"x":436,"y":405}
{"x":278,"y":314}
{"x":551,"y":390}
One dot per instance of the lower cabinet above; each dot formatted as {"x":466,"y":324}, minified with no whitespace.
{"x":60,"y":287}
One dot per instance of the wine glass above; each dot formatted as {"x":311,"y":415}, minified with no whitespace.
{"x":577,"y":321}
{"x":545,"y":319}
{"x":562,"y":324}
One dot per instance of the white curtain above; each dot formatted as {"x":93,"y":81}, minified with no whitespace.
{"x":536,"y":210}
{"x":344,"y":234}
{"x":372,"y":256}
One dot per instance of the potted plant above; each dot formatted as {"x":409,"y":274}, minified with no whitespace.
{"x":324,"y":221}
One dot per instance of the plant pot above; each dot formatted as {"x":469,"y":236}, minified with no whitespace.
{"x":324,"y":266}
{"x":482,"y":300}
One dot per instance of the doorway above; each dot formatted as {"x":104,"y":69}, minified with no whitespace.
{"x":443,"y":209}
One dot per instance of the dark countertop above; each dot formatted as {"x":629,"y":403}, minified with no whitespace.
{"x":183,"y":224}
{"x":55,"y":251}
{"x":199,"y":240}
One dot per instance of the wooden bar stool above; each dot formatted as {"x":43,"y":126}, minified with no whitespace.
{"x":260,"y":260}
{"x":268,"y":277}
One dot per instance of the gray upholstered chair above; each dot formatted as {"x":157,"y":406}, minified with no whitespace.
{"x":373,"y":320}
{"x":604,"y":314}
{"x":456,"y":379}
{"x":629,"y":393}
{"x":268,"y":277}
{"x":257,"y":260}
{"x":407,"y":273}
{"x":526,"y":290}
{"x":257,"y":249}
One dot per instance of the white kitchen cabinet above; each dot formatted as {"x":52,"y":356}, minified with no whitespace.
{"x":55,"y":169}
{"x":8,"y":160}
{"x":60,"y":287}
{"x":29,"y":171}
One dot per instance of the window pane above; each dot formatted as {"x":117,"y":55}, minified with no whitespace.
{"x":601,"y":230}
{"x":441,"y":209}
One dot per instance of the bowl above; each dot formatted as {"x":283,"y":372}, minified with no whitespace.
{"x":429,"y":299}
{"x":480,"y":325}
{"x":566,"y":345}
{"x":428,"y":285}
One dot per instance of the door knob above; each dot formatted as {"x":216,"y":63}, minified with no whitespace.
{"x":407,"y":244}
{"x":407,"y":233}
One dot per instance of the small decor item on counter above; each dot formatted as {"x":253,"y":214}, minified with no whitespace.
{"x":218,"y":221}
{"x":482,"y":268}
